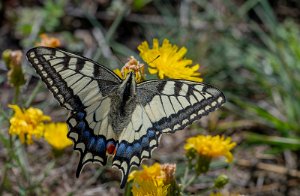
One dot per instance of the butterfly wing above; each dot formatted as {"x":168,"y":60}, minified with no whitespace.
{"x":82,"y":86}
{"x":74,"y":80}
{"x":162,"y":107}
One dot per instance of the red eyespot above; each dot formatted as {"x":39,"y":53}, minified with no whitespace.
{"x":110,"y":148}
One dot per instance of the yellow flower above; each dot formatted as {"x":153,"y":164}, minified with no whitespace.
{"x":152,"y":187}
{"x":56,"y":135}
{"x":119,"y":73}
{"x":147,"y":173}
{"x":215,"y":194}
{"x":154,"y":180}
{"x":167,"y":61}
{"x":211,"y":146}
{"x":48,"y":41}
{"x":27,"y":123}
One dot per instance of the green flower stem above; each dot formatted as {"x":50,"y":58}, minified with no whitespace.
{"x":17,"y":93}
{"x":34,"y":93}
{"x":116,"y":23}
{"x":15,"y":151}
{"x":187,"y":180}
{"x":22,"y":162}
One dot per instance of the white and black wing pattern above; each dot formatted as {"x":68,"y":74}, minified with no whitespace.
{"x":115,"y":117}
{"x":82,"y":86}
{"x":74,"y":80}
{"x":162,"y":107}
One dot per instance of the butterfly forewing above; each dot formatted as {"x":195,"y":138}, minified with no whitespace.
{"x":75,"y":81}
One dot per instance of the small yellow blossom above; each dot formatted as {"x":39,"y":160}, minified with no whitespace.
{"x":154,"y":180}
{"x":132,"y":65}
{"x":148,"y":181}
{"x":211,"y":146}
{"x":167,"y":61}
{"x":56,"y":135}
{"x":48,"y":41}
{"x":147,"y":173}
{"x":215,"y":194}
{"x":152,"y":187}
{"x":27,"y":123}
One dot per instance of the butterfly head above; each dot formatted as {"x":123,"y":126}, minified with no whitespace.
{"x":128,"y":86}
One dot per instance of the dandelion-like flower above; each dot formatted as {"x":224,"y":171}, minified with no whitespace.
{"x":211,"y":146}
{"x":27,"y":123}
{"x":154,"y":180}
{"x":147,"y":173}
{"x":56,"y":135}
{"x":48,"y":41}
{"x":153,"y":187}
{"x":167,"y":61}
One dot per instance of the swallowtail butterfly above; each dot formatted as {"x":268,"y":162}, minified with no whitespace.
{"x":119,"y":118}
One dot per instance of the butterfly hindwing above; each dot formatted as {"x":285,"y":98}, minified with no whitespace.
{"x":92,"y":148}
{"x":162,"y":107}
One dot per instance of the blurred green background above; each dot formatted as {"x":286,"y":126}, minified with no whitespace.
{"x":250,"y":49}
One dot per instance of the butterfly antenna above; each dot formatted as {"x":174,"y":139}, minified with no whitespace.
{"x":117,"y":57}
{"x":154,"y":59}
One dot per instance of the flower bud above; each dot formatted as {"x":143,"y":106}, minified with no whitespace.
{"x":13,"y":61}
{"x":221,"y":181}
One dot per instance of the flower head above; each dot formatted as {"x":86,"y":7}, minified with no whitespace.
{"x":48,"y":41}
{"x":211,"y":146}
{"x":154,"y":180}
{"x":168,"y":171}
{"x":152,"y":187}
{"x":132,"y":65}
{"x":56,"y":135}
{"x":13,"y":61}
{"x":167,"y":61}
{"x":27,"y":123}
{"x":215,"y":194}
{"x":147,"y":173}
{"x":221,"y":181}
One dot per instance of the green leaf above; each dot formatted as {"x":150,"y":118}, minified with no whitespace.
{"x":282,"y":142}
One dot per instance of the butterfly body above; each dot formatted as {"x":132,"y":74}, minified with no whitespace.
{"x":123,"y":104}
{"x":119,"y":118}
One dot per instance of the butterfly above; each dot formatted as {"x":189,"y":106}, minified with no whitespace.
{"x":119,"y":118}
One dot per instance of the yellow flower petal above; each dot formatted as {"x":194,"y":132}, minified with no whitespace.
{"x":169,"y":61}
{"x":153,"y":187}
{"x":27,"y":123}
{"x":211,"y":146}
{"x":153,"y":180}
{"x":56,"y":135}
{"x":118,"y":72}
